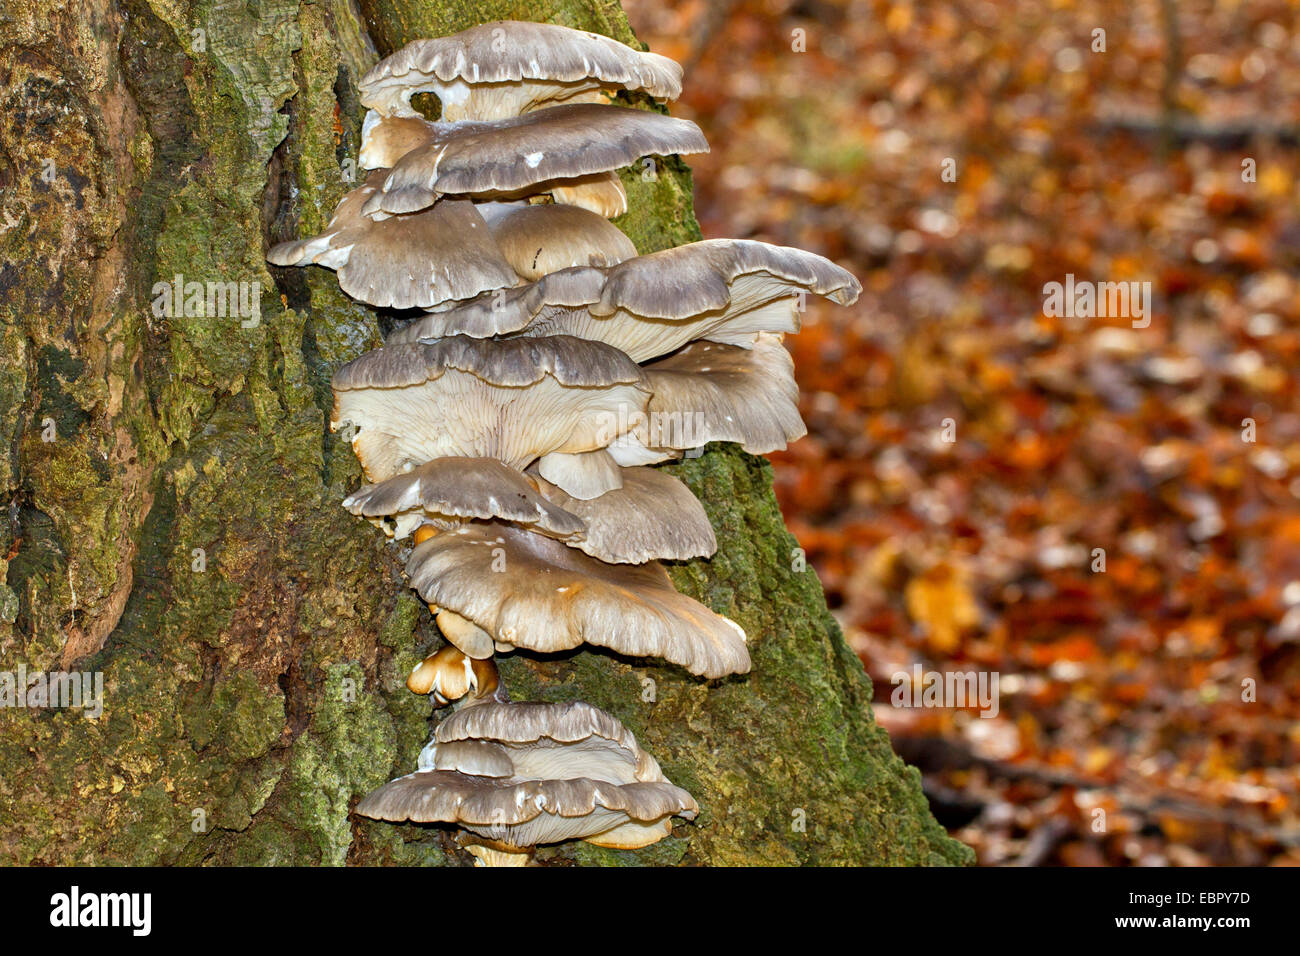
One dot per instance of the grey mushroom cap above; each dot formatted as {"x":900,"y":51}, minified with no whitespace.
{"x":501,"y":69}
{"x":347,"y":216}
{"x":511,"y":400}
{"x":543,"y":238}
{"x":712,"y":392}
{"x":653,"y":516}
{"x":445,"y":253}
{"x":723,"y":290}
{"x":553,"y":598}
{"x":544,"y":303}
{"x":530,"y":812}
{"x":504,"y":157}
{"x":386,"y":139}
{"x":511,"y":363}
{"x":529,"y":773}
{"x":457,"y":489}
{"x":480,"y":758}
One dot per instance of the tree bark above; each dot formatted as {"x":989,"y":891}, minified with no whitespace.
{"x":174,"y":521}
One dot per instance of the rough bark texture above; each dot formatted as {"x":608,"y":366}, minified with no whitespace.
{"x":266,"y":691}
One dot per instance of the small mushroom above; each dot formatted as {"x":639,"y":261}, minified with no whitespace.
{"x":512,"y":400}
{"x":601,"y":193}
{"x":449,"y":675}
{"x":543,"y":238}
{"x":723,"y":290}
{"x":584,"y":475}
{"x":512,"y":157}
{"x":522,"y":774}
{"x":529,"y":591}
{"x":712,"y":392}
{"x":386,"y":139}
{"x":502,"y":69}
{"x":446,"y":491}
{"x":651,"y":516}
{"x":446,"y":253}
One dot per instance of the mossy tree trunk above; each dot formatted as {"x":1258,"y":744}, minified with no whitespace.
{"x":173,"y":488}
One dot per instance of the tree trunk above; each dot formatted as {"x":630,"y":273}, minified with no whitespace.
{"x":174,"y":519}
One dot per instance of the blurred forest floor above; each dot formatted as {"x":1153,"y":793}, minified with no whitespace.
{"x":1121,"y":690}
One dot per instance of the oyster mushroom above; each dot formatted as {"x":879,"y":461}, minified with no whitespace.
{"x":543,"y":238}
{"x":650,"y":516}
{"x":586,"y":474}
{"x":527,"y":154}
{"x":601,"y":193}
{"x":723,"y":290}
{"x":449,"y":675}
{"x":521,"y":774}
{"x":709,"y":392}
{"x":446,"y":491}
{"x":502,"y":69}
{"x":445,"y":253}
{"x":524,"y":590}
{"x":513,"y":400}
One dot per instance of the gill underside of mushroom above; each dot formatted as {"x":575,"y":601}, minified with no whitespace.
{"x":507,"y":431}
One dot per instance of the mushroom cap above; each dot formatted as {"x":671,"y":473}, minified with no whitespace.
{"x":652,"y":516}
{"x":528,"y":812}
{"x":347,"y":215}
{"x":504,"y":68}
{"x":504,"y":157}
{"x":511,"y":400}
{"x":529,"y":773}
{"x":445,"y":253}
{"x":449,"y":674}
{"x":464,"y":635}
{"x":456,"y":489}
{"x":550,"y":598}
{"x":543,"y":238}
{"x":713,"y":392}
{"x":386,"y":139}
{"x":724,"y":290}
{"x":545,"y":302}
{"x":601,"y":193}
{"x":585,"y":475}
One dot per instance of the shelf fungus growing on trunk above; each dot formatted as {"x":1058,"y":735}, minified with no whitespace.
{"x":513,"y":400}
{"x":504,"y":69}
{"x":507,"y":430}
{"x":722,"y":290}
{"x":523,"y":155}
{"x":516,"y":775}
{"x":555,"y":598}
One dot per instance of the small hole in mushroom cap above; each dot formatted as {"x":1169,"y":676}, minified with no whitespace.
{"x":427,"y":105}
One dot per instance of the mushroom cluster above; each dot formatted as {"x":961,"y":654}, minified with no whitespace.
{"x":509,"y":427}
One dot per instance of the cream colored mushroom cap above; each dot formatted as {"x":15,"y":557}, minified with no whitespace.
{"x":512,"y":400}
{"x":535,"y":593}
{"x":530,"y":773}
